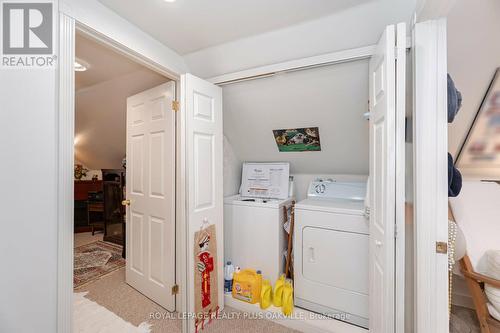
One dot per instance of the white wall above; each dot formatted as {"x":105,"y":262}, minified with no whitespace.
{"x":232,"y":169}
{"x":473,"y":56}
{"x":28,"y":240}
{"x":354,"y":27}
{"x":333,"y":98}
{"x":29,"y":176}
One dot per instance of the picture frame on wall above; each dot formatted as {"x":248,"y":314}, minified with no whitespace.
{"x":297,"y":139}
{"x":481,"y":147}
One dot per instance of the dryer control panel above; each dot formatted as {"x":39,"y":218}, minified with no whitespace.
{"x":328,"y":188}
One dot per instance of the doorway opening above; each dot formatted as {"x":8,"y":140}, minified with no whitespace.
{"x":124,"y":153}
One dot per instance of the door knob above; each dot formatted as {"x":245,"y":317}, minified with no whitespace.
{"x":126,"y":203}
{"x":378,"y":243}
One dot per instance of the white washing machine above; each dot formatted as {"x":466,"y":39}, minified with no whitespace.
{"x":253,"y":234}
{"x":331,"y":251}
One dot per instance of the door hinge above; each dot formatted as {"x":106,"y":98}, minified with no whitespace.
{"x":441,"y":247}
{"x":175,"y":106}
{"x":175,"y":289}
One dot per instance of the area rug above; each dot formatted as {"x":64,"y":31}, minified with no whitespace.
{"x":90,"y":317}
{"x":95,"y":260}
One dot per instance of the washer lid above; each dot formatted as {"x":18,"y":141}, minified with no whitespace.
{"x":238,"y":200}
{"x":341,"y":206}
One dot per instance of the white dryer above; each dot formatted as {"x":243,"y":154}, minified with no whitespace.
{"x":331,"y":251}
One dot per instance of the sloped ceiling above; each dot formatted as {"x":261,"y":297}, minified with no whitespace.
{"x":473,"y":56}
{"x":332,"y":98}
{"x":101,"y":102}
{"x":352,"y":27}
{"x":191,"y":25}
{"x":103,"y":63}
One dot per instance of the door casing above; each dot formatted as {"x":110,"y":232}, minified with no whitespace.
{"x":65,"y":148}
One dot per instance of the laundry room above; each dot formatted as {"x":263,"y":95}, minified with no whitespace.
{"x":295,"y":183}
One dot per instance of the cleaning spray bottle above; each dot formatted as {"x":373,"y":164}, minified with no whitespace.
{"x":278,"y":291}
{"x":287,"y":298}
{"x":266,"y":294}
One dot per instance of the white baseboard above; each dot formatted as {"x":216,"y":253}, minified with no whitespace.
{"x":302,"y":320}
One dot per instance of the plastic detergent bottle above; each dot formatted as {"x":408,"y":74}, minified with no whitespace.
{"x":266,"y":294}
{"x":228,"y":277}
{"x":247,"y":285}
{"x":278,"y":290}
{"x":287,"y":300}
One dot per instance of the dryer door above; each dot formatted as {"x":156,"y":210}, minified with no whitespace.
{"x":336,"y":258}
{"x":331,"y":275}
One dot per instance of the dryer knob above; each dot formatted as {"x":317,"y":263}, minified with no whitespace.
{"x":320,"y":189}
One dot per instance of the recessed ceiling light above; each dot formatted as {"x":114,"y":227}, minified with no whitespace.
{"x":80,"y":66}
{"x":169,"y":0}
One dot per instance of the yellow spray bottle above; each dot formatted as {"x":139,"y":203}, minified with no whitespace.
{"x":287,"y":302}
{"x":278,"y":291}
{"x":266,"y":294}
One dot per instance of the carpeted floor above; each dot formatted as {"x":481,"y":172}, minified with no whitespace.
{"x":114,"y":294}
{"x":463,"y":320}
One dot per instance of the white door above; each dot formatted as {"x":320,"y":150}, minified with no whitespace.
{"x":382,"y":93}
{"x":202,"y":112}
{"x":150,"y":227}
{"x":430,"y":143}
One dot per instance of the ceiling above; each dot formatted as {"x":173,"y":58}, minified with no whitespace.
{"x":190,"y":25}
{"x":104,"y":63}
{"x":101,"y":103}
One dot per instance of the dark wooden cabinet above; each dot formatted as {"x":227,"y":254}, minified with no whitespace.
{"x":82,"y":188}
{"x":113,"y":183}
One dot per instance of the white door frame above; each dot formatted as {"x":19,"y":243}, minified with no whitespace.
{"x":65,"y":148}
{"x":400,"y":237}
{"x":430,"y":142}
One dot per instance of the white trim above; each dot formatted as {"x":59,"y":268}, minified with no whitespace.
{"x":66,"y":125}
{"x":297,"y":64}
{"x":430,"y":176}
{"x":302,"y":320}
{"x":182,"y":226}
{"x":401,"y":43}
{"x":106,"y":22}
{"x":125,"y":51}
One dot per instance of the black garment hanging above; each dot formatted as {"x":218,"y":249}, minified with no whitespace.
{"x":454,"y":100}
{"x":454,"y":179}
